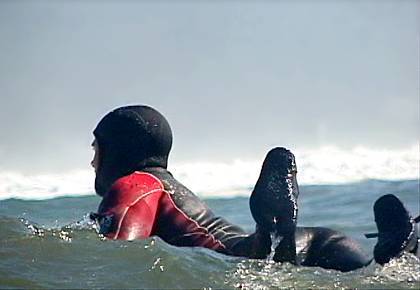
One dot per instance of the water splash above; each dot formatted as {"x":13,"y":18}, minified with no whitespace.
{"x":157,"y":264}
{"x":275,"y":241}
{"x":64,"y":233}
{"x":403,"y":269}
{"x":34,"y":229}
{"x":403,"y":272}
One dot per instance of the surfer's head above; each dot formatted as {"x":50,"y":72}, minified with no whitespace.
{"x":127,"y":139}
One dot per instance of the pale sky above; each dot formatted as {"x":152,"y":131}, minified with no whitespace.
{"x":233,"y":78}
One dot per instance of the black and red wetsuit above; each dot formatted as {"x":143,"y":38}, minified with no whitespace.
{"x":153,"y":203}
{"x":141,"y":199}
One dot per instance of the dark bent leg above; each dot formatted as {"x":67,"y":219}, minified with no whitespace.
{"x":331,"y":250}
{"x":317,"y":247}
{"x":255,"y":246}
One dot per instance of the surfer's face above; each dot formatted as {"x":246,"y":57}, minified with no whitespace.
{"x":95,"y":160}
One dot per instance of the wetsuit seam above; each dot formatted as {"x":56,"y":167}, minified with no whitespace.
{"x":223,"y":229}
{"x":217,"y":241}
{"x":128,"y":207}
{"x":153,"y":177}
{"x":137,"y":200}
{"x":195,"y":222}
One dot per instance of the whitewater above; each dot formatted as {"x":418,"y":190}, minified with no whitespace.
{"x":326,"y":165}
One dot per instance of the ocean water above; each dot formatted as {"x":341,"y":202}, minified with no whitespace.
{"x":51,"y":243}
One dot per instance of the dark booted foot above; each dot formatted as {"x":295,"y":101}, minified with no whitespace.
{"x":396,"y":229}
{"x":273,"y":201}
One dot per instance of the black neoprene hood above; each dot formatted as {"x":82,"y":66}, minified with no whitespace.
{"x":130,"y":138}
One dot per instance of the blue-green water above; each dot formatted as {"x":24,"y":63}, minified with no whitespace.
{"x":52,"y":244}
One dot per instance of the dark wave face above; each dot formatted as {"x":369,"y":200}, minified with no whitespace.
{"x":42,"y":247}
{"x":75,"y":256}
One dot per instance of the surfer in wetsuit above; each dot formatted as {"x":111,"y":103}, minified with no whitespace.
{"x":141,"y":198}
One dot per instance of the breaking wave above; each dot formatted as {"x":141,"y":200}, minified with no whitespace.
{"x":326,"y":165}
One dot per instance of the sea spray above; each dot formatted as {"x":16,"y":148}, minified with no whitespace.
{"x":275,"y":241}
{"x":62,"y":232}
{"x":400,"y":273}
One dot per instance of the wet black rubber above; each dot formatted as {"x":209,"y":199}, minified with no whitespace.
{"x":273,"y":201}
{"x":396,"y":229}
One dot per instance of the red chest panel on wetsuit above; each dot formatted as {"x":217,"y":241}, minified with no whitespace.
{"x":129,"y":210}
{"x":138,"y":206}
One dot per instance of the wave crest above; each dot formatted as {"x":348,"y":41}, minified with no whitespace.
{"x":326,"y":165}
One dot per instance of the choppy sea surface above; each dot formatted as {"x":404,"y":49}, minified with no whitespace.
{"x":52,"y":244}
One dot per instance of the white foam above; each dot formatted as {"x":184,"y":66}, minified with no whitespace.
{"x":44,"y":186}
{"x":334,"y":165}
{"x":326,"y":165}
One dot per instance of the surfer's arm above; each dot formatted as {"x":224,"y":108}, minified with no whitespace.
{"x":130,"y":209}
